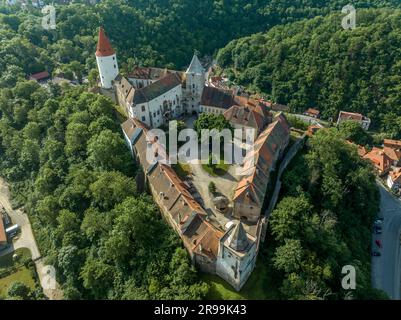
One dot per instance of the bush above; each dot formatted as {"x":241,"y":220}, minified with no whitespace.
{"x":212,"y":187}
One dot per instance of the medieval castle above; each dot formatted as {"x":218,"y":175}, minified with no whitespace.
{"x":152,"y":97}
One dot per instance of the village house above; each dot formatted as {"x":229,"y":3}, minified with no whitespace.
{"x":356,"y":117}
{"x":314,"y":113}
{"x":380,"y":160}
{"x":393,"y":150}
{"x":40,"y":77}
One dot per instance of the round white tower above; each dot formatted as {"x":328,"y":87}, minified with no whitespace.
{"x":106,"y":61}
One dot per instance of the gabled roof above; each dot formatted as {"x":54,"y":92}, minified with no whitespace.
{"x":195,"y":66}
{"x":104,"y":48}
{"x":344,"y":115}
{"x":392,"y":153}
{"x":3,"y":237}
{"x":218,"y":98}
{"x":379,"y":159}
{"x":157,"y":88}
{"x":313,"y":111}
{"x":250,"y":115}
{"x":150,"y":73}
{"x":238,"y":239}
{"x":40,"y":76}
{"x":257,"y":165}
{"x":396,"y":144}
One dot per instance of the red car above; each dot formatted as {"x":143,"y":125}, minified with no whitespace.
{"x":379,"y":243}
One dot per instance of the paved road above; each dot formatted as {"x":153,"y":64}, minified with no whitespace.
{"x":386,"y":269}
{"x":25,"y":239}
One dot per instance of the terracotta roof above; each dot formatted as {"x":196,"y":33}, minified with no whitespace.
{"x":104,"y":48}
{"x":379,"y":159}
{"x":344,"y":115}
{"x":393,"y":154}
{"x":3,"y":236}
{"x":218,"y":98}
{"x":40,"y":75}
{"x":392,"y":143}
{"x":313,"y":111}
{"x":251,"y":116}
{"x":257,"y":166}
{"x":189,"y":218}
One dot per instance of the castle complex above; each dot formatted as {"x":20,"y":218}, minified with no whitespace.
{"x":152,"y":97}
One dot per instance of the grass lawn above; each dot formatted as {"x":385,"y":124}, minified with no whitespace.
{"x":22,"y":273}
{"x":182,"y":169}
{"x":258,"y":287}
{"x":216,"y":170}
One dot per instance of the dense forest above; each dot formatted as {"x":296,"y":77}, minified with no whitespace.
{"x":63,"y":153}
{"x":316,"y":63}
{"x":158,"y":33}
{"x":322,"y":222}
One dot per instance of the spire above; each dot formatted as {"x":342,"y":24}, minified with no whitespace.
{"x":238,"y":239}
{"x":104,"y":48}
{"x":195,"y":66}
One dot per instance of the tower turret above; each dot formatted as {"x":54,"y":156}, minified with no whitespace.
{"x":106,"y":60}
{"x":195,"y":82}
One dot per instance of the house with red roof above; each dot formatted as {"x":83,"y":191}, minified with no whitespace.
{"x":380,"y":160}
{"x":314,"y":113}
{"x":40,"y":77}
{"x":356,"y":117}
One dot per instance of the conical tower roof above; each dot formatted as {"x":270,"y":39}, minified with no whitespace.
{"x":195,"y":66}
{"x":104,"y":48}
{"x":238,"y":239}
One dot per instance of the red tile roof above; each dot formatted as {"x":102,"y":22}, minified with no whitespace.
{"x":40,"y":75}
{"x":104,"y":48}
{"x":392,"y":143}
{"x":313,"y":111}
{"x":379,"y":159}
{"x":3,"y":237}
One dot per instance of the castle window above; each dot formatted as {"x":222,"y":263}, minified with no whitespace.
{"x":143,"y":108}
{"x":114,"y":58}
{"x":158,"y":112}
{"x":154,"y":114}
{"x":115,"y":67}
{"x":143,"y":118}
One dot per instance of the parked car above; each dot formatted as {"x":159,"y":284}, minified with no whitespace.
{"x":377,"y":229}
{"x":379,"y":243}
{"x":376,"y":254}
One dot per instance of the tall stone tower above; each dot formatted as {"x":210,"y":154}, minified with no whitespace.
{"x":195,"y":82}
{"x":106,"y":60}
